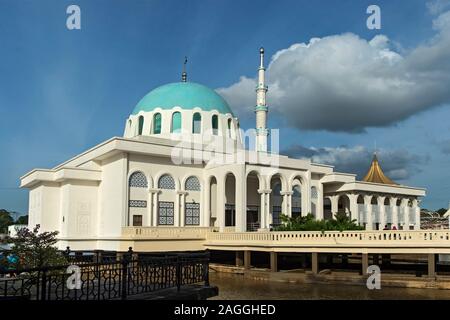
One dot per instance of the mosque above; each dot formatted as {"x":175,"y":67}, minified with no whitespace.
{"x":183,"y":164}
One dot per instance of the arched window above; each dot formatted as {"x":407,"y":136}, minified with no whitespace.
{"x":138,"y":180}
{"x":229,"y":128}
{"x":157,"y":123}
{"x":176,"y":122}
{"x":141,"y":125}
{"x":197,"y":123}
{"x":192,"y":184}
{"x":166,"y":182}
{"x":215,"y":124}
{"x":297,"y":192}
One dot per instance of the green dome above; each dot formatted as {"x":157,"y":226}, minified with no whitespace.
{"x":186,"y":95}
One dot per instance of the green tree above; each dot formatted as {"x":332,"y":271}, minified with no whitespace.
{"x":341,"y":222}
{"x":36,"y":249}
{"x":22,"y":220}
{"x":5,"y":220}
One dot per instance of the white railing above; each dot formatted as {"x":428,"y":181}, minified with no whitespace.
{"x":419,"y":238}
{"x":167,"y":232}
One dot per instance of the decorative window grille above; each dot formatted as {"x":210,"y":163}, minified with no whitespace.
{"x":165,"y":213}
{"x":138,"y":180}
{"x":314,"y":193}
{"x":192,"y":184}
{"x":137,"y":204}
{"x":166,"y":182}
{"x":192,"y":214}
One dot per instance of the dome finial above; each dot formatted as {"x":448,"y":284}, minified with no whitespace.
{"x":184,"y":74}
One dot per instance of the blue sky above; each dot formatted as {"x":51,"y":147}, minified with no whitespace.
{"x":63,"y":91}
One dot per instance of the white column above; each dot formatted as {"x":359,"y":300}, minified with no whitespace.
{"x":155,"y":194}
{"x":394,"y":211}
{"x":286,"y":206}
{"x":405,"y":206}
{"x":149,"y":218}
{"x":353,"y":197}
{"x":221,"y":203}
{"x":416,"y":209}
{"x":176,"y":213}
{"x":182,"y":195}
{"x":206,"y":204}
{"x":262,"y":208}
{"x":241,"y":203}
{"x":319,"y":206}
{"x":268,"y":209}
{"x":382,"y":211}
{"x":334,"y":205}
{"x":368,"y":207}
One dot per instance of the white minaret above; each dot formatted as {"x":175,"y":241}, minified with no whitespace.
{"x":261,"y":108}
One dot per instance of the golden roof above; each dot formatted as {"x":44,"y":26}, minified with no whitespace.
{"x":375,"y":173}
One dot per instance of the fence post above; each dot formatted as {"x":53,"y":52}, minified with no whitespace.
{"x":206,"y":268}
{"x":44,"y":285}
{"x":178,"y":272}
{"x":125,"y":261}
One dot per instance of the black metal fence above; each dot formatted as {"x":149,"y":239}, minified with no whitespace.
{"x":126,"y":276}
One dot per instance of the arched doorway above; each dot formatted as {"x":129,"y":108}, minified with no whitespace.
{"x":327,"y":214}
{"x":230,"y":200}
{"x":254,"y":212}
{"x":296,"y":201}
{"x":276,"y":200}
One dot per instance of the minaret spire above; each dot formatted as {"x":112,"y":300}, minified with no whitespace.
{"x":184,"y":74}
{"x":261,"y":108}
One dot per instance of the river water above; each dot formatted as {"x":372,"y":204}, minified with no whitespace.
{"x":236,"y":287}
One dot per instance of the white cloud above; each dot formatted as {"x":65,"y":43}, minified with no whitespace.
{"x":437,"y":6}
{"x":397,"y":164}
{"x":346,"y":83}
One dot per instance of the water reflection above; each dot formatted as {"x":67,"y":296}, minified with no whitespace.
{"x":235,"y":287}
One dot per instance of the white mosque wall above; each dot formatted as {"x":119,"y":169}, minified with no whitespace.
{"x":206,"y":136}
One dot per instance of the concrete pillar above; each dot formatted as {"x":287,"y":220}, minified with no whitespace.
{"x":319,"y":206}
{"x":353,"y":197}
{"x":205,"y":218}
{"x":247,"y":259}
{"x":241,"y":202}
{"x":273,"y":261}
{"x":416,"y":210}
{"x":220,"y":210}
{"x":239,"y":258}
{"x":368,"y":207}
{"x":405,"y":207}
{"x":315,"y":262}
{"x":262,"y":209}
{"x":182,"y":210}
{"x":155,"y":208}
{"x":382,"y":212}
{"x":334,"y":205}
{"x":431,"y":265}
{"x":394,"y":212}
{"x":364,"y":263}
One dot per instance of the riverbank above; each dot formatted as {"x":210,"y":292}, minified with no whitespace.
{"x":237,"y":287}
{"x":325,"y":277}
